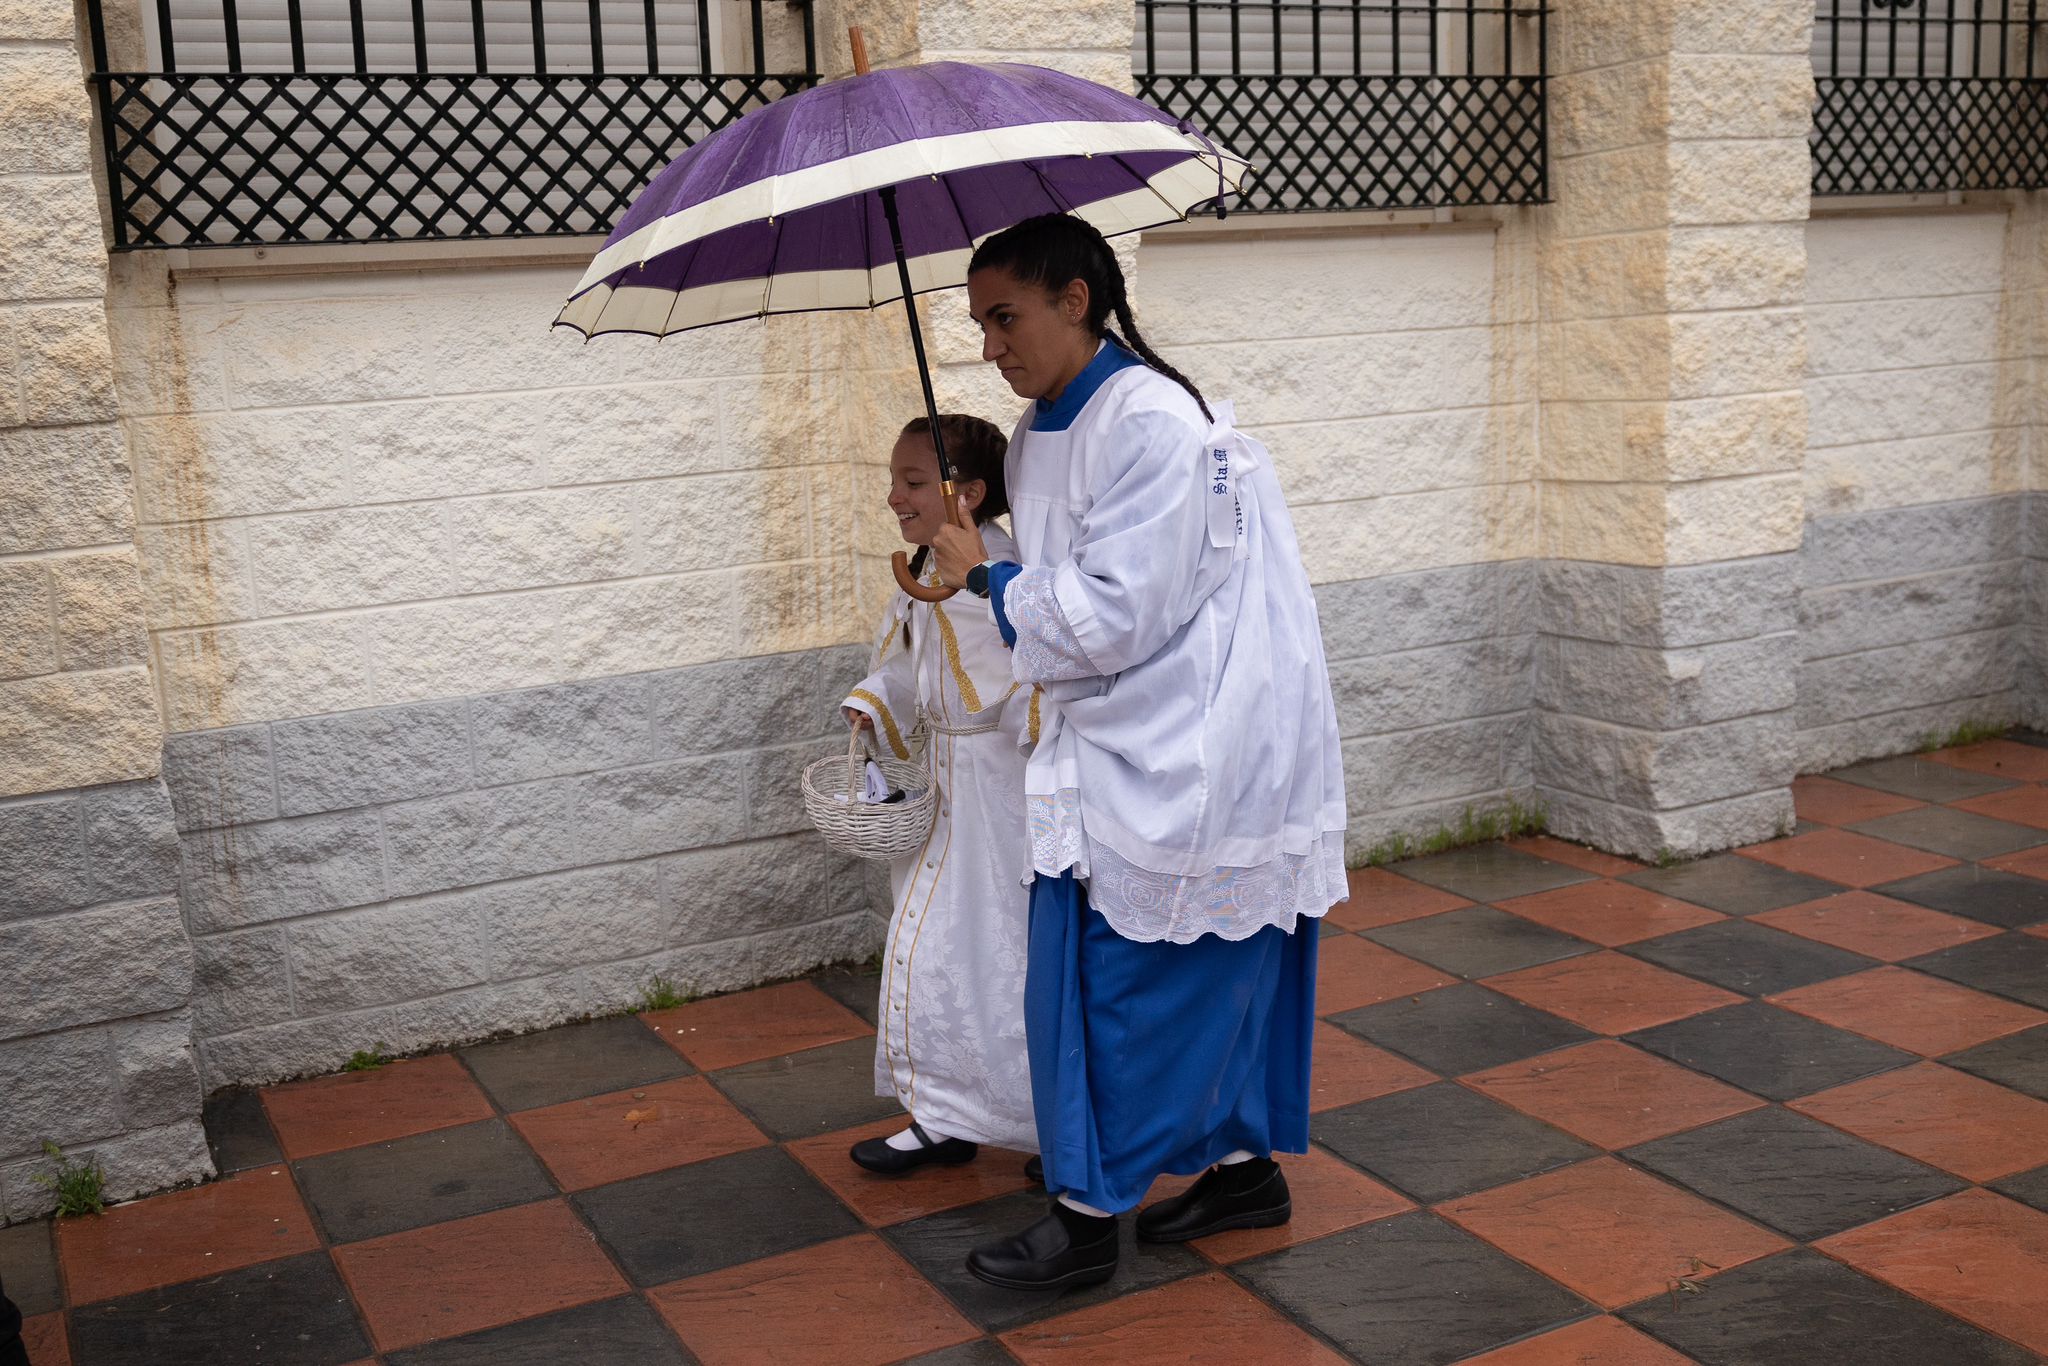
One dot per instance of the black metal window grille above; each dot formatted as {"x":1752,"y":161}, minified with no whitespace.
{"x":1359,"y":104}
{"x":253,"y":122}
{"x":1926,"y":95}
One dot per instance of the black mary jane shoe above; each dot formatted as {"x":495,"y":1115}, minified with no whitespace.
{"x":877,"y":1156}
{"x":1250,"y":1194}
{"x":1034,"y":1170}
{"x":1064,"y":1249}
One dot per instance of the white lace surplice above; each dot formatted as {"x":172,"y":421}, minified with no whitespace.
{"x":949,"y":1041}
{"x":1187,"y":764}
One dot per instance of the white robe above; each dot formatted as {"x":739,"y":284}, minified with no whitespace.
{"x":1188,"y":768}
{"x":949,"y":1041}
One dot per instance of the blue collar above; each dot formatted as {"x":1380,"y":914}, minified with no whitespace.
{"x":1059,"y":414}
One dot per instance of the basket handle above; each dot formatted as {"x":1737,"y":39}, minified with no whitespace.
{"x":853,"y":763}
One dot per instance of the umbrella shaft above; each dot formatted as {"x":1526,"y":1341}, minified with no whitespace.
{"x":924,"y":372}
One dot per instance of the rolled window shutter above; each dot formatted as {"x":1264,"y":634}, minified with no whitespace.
{"x":1852,"y":38}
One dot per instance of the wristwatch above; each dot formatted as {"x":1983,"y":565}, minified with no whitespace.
{"x":977,"y":579}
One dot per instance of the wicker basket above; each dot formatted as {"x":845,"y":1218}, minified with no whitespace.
{"x":868,"y":830}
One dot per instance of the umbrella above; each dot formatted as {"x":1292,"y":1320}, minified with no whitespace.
{"x":878,"y":187}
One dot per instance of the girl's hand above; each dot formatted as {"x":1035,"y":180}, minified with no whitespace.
{"x":859,"y":720}
{"x":957,"y":549}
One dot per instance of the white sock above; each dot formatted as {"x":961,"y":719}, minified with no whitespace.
{"x":906,"y":1141}
{"x":1234,"y":1158}
{"x":1075,"y":1205}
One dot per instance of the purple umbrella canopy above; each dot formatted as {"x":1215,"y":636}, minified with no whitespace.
{"x":784,"y":211}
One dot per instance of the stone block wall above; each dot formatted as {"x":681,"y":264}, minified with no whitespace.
{"x":1913,"y":581}
{"x":1389,"y":373}
{"x":95,"y":965}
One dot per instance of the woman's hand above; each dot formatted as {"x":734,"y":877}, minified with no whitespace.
{"x":857,"y":719}
{"x":957,"y":549}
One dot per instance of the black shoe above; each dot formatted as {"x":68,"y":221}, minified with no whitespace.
{"x":877,"y":1156}
{"x":1064,"y":1249}
{"x":1249,"y":1194}
{"x":1034,"y":1169}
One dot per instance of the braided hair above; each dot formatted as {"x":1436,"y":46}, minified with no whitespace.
{"x":975,"y":449}
{"x":1053,"y":249}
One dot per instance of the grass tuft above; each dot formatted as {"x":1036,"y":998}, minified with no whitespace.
{"x":662,"y":994}
{"x":79,"y":1183}
{"x":366,"y":1059}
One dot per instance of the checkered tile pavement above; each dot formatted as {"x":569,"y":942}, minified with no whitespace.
{"x":1785,"y":1105}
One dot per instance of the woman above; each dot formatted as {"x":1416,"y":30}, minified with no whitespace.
{"x":949,"y":1037}
{"x":1185,"y":796}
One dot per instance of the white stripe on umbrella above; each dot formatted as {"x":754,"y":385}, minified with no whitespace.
{"x":911,"y":160}
{"x":660,"y":312}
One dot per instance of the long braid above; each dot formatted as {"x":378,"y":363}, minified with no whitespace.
{"x":1127,"y":333}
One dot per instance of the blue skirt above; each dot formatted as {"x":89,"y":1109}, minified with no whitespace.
{"x":1152,"y":1058}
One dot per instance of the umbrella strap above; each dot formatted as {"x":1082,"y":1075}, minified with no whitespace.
{"x":1187,"y":125}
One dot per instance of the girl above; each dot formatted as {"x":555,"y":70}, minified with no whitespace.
{"x":949,"y":1043}
{"x":1185,"y":796}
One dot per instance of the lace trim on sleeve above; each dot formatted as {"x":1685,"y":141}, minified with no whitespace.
{"x":1047,"y":649}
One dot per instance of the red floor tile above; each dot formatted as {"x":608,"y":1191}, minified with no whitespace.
{"x":1613,"y":1234}
{"x":2027,"y":863}
{"x":1379,"y":897}
{"x":1353,"y":972}
{"x":853,"y":1302}
{"x":2020,"y":805}
{"x":884,"y":1200}
{"x":1978,"y":1255}
{"x":252,"y":1217}
{"x":1848,"y":858}
{"x":2038,"y":931}
{"x":608,"y":1138}
{"x":1329,"y":1196}
{"x":1610,"y":913}
{"x":1576,"y":856}
{"x":461,"y":1277}
{"x":1611,"y":993}
{"x":1589,"y":1342}
{"x":748,"y":1026}
{"x":46,"y":1341}
{"x":1911,"y":1010}
{"x":1611,"y":1094}
{"x":1348,"y":1070}
{"x":1207,"y":1319}
{"x":353,"y":1108}
{"x":1998,"y":759}
{"x":1974,"y":1128}
{"x":1875,"y":926}
{"x":1825,"y":801}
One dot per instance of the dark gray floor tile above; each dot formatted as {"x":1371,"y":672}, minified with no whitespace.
{"x":2029,"y":1188}
{"x":1986,"y":894}
{"x":1753,"y":959}
{"x":28,"y":1267}
{"x":859,"y":989}
{"x":1773,"y":1052}
{"x":2028,"y":737}
{"x":1956,"y":834}
{"x":1460,"y":1029}
{"x":1796,"y":1174}
{"x":1443,"y":1141}
{"x":2017,"y":1060}
{"x":987,"y":1352}
{"x":287,"y":1313}
{"x":1491,"y":872}
{"x":621,"y":1332}
{"x":1734,"y":885}
{"x":1800,"y":1308}
{"x":238,"y":1132}
{"x":1479,"y":941}
{"x":1411,"y":1291}
{"x":1919,"y":779}
{"x":573,"y":1062}
{"x":812,"y":1092}
{"x":428,"y":1178}
{"x":711,"y":1215}
{"x":2014,"y":965}
{"x":1326,"y":927}
{"x":938,"y":1244}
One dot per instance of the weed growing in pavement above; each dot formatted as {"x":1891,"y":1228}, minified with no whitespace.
{"x":661,"y":994}
{"x":1476,"y":825}
{"x":366,"y":1059}
{"x":79,"y":1183}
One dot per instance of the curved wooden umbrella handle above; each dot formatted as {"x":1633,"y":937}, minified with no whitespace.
{"x":923,"y":592}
